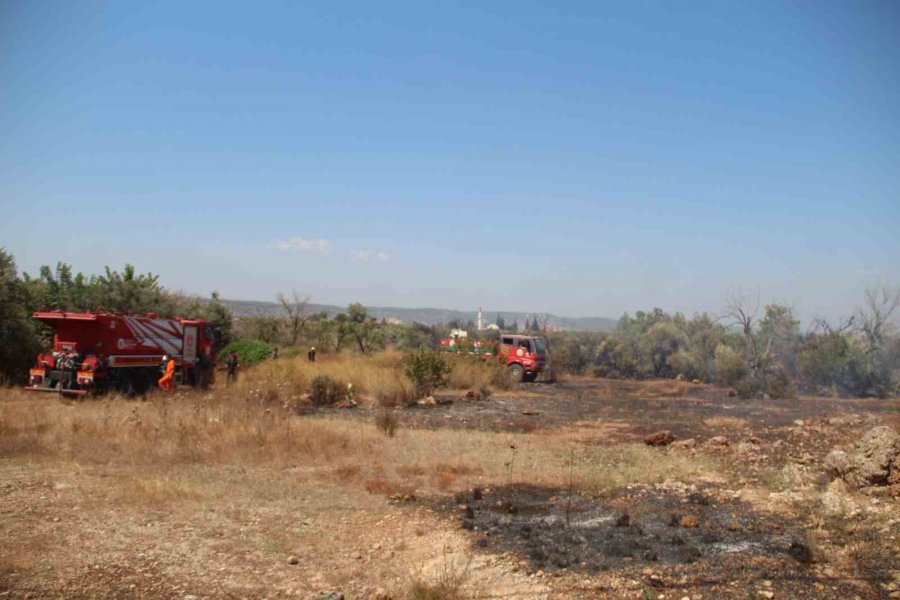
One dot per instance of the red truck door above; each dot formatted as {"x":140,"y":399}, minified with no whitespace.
{"x":189,"y":355}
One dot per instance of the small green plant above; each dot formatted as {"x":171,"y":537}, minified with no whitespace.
{"x":484,"y":392}
{"x":325,"y":391}
{"x":387,"y":422}
{"x":427,"y":369}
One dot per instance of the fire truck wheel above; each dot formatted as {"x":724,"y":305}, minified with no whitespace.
{"x":516,"y":373}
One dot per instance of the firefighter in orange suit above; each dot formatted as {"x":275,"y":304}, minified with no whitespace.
{"x":167,"y":382}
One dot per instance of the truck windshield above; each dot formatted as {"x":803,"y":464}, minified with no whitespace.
{"x":539,"y":346}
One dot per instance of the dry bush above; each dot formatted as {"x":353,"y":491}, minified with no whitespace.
{"x":325,"y":391}
{"x":473,"y":373}
{"x":550,"y":374}
{"x":448,"y":581}
{"x":402,"y":394}
{"x":387,"y":422}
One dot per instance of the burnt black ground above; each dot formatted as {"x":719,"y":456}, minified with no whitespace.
{"x":639,"y":531}
{"x":642,"y":409}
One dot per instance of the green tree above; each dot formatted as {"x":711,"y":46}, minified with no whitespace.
{"x":221,"y":319}
{"x":19,"y":343}
{"x":730,"y":366}
{"x":779,"y":333}
{"x":426,"y":368}
{"x":128,"y":292}
{"x":416,"y":336}
{"x":824,"y":361}
{"x":364,"y":328}
{"x":660,"y":343}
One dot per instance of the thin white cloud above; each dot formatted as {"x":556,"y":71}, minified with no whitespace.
{"x":300,"y":244}
{"x":369,"y":255}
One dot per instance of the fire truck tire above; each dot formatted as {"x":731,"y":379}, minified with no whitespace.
{"x":529,"y":377}
{"x":516,"y":373}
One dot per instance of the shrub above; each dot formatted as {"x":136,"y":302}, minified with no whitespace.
{"x":427,"y":369}
{"x":778,"y":384}
{"x":324,"y":391}
{"x":250,"y":352}
{"x":774,"y":382}
{"x":387,"y":422}
{"x":550,"y":374}
{"x":746,"y":387}
{"x":730,"y":366}
{"x":447,"y":583}
{"x":395,"y":396}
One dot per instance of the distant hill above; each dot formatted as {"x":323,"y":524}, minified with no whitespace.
{"x":426,"y":316}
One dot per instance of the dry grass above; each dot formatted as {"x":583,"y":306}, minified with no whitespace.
{"x":446,"y":580}
{"x":725,"y":422}
{"x":603,"y":470}
{"x":157,"y":489}
{"x":147,"y":441}
{"x":387,"y":422}
{"x":472,"y":373}
{"x":378,"y":380}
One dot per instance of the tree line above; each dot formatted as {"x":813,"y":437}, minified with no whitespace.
{"x":753,"y":348}
{"x":60,"y":288}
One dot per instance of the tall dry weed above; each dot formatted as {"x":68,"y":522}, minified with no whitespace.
{"x":473,"y":373}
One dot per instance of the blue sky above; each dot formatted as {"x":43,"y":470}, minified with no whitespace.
{"x":581,"y":158}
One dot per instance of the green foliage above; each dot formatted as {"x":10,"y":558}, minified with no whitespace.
{"x":659,"y":343}
{"x":325,"y":391}
{"x":266,"y":329}
{"x":730,"y":366}
{"x":779,"y":333}
{"x":356,"y":325}
{"x":19,"y":343}
{"x":413,"y":337}
{"x":825,"y":361}
{"x":61,"y":288}
{"x":219,"y":316}
{"x":250,"y":352}
{"x":426,"y":368}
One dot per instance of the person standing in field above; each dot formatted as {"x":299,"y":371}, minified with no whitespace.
{"x":204,"y":369}
{"x":167,"y":382}
{"x":311,"y":355}
{"x":232,"y":365}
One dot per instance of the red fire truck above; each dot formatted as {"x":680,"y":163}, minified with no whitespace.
{"x":100,"y":351}
{"x":525,"y":356}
